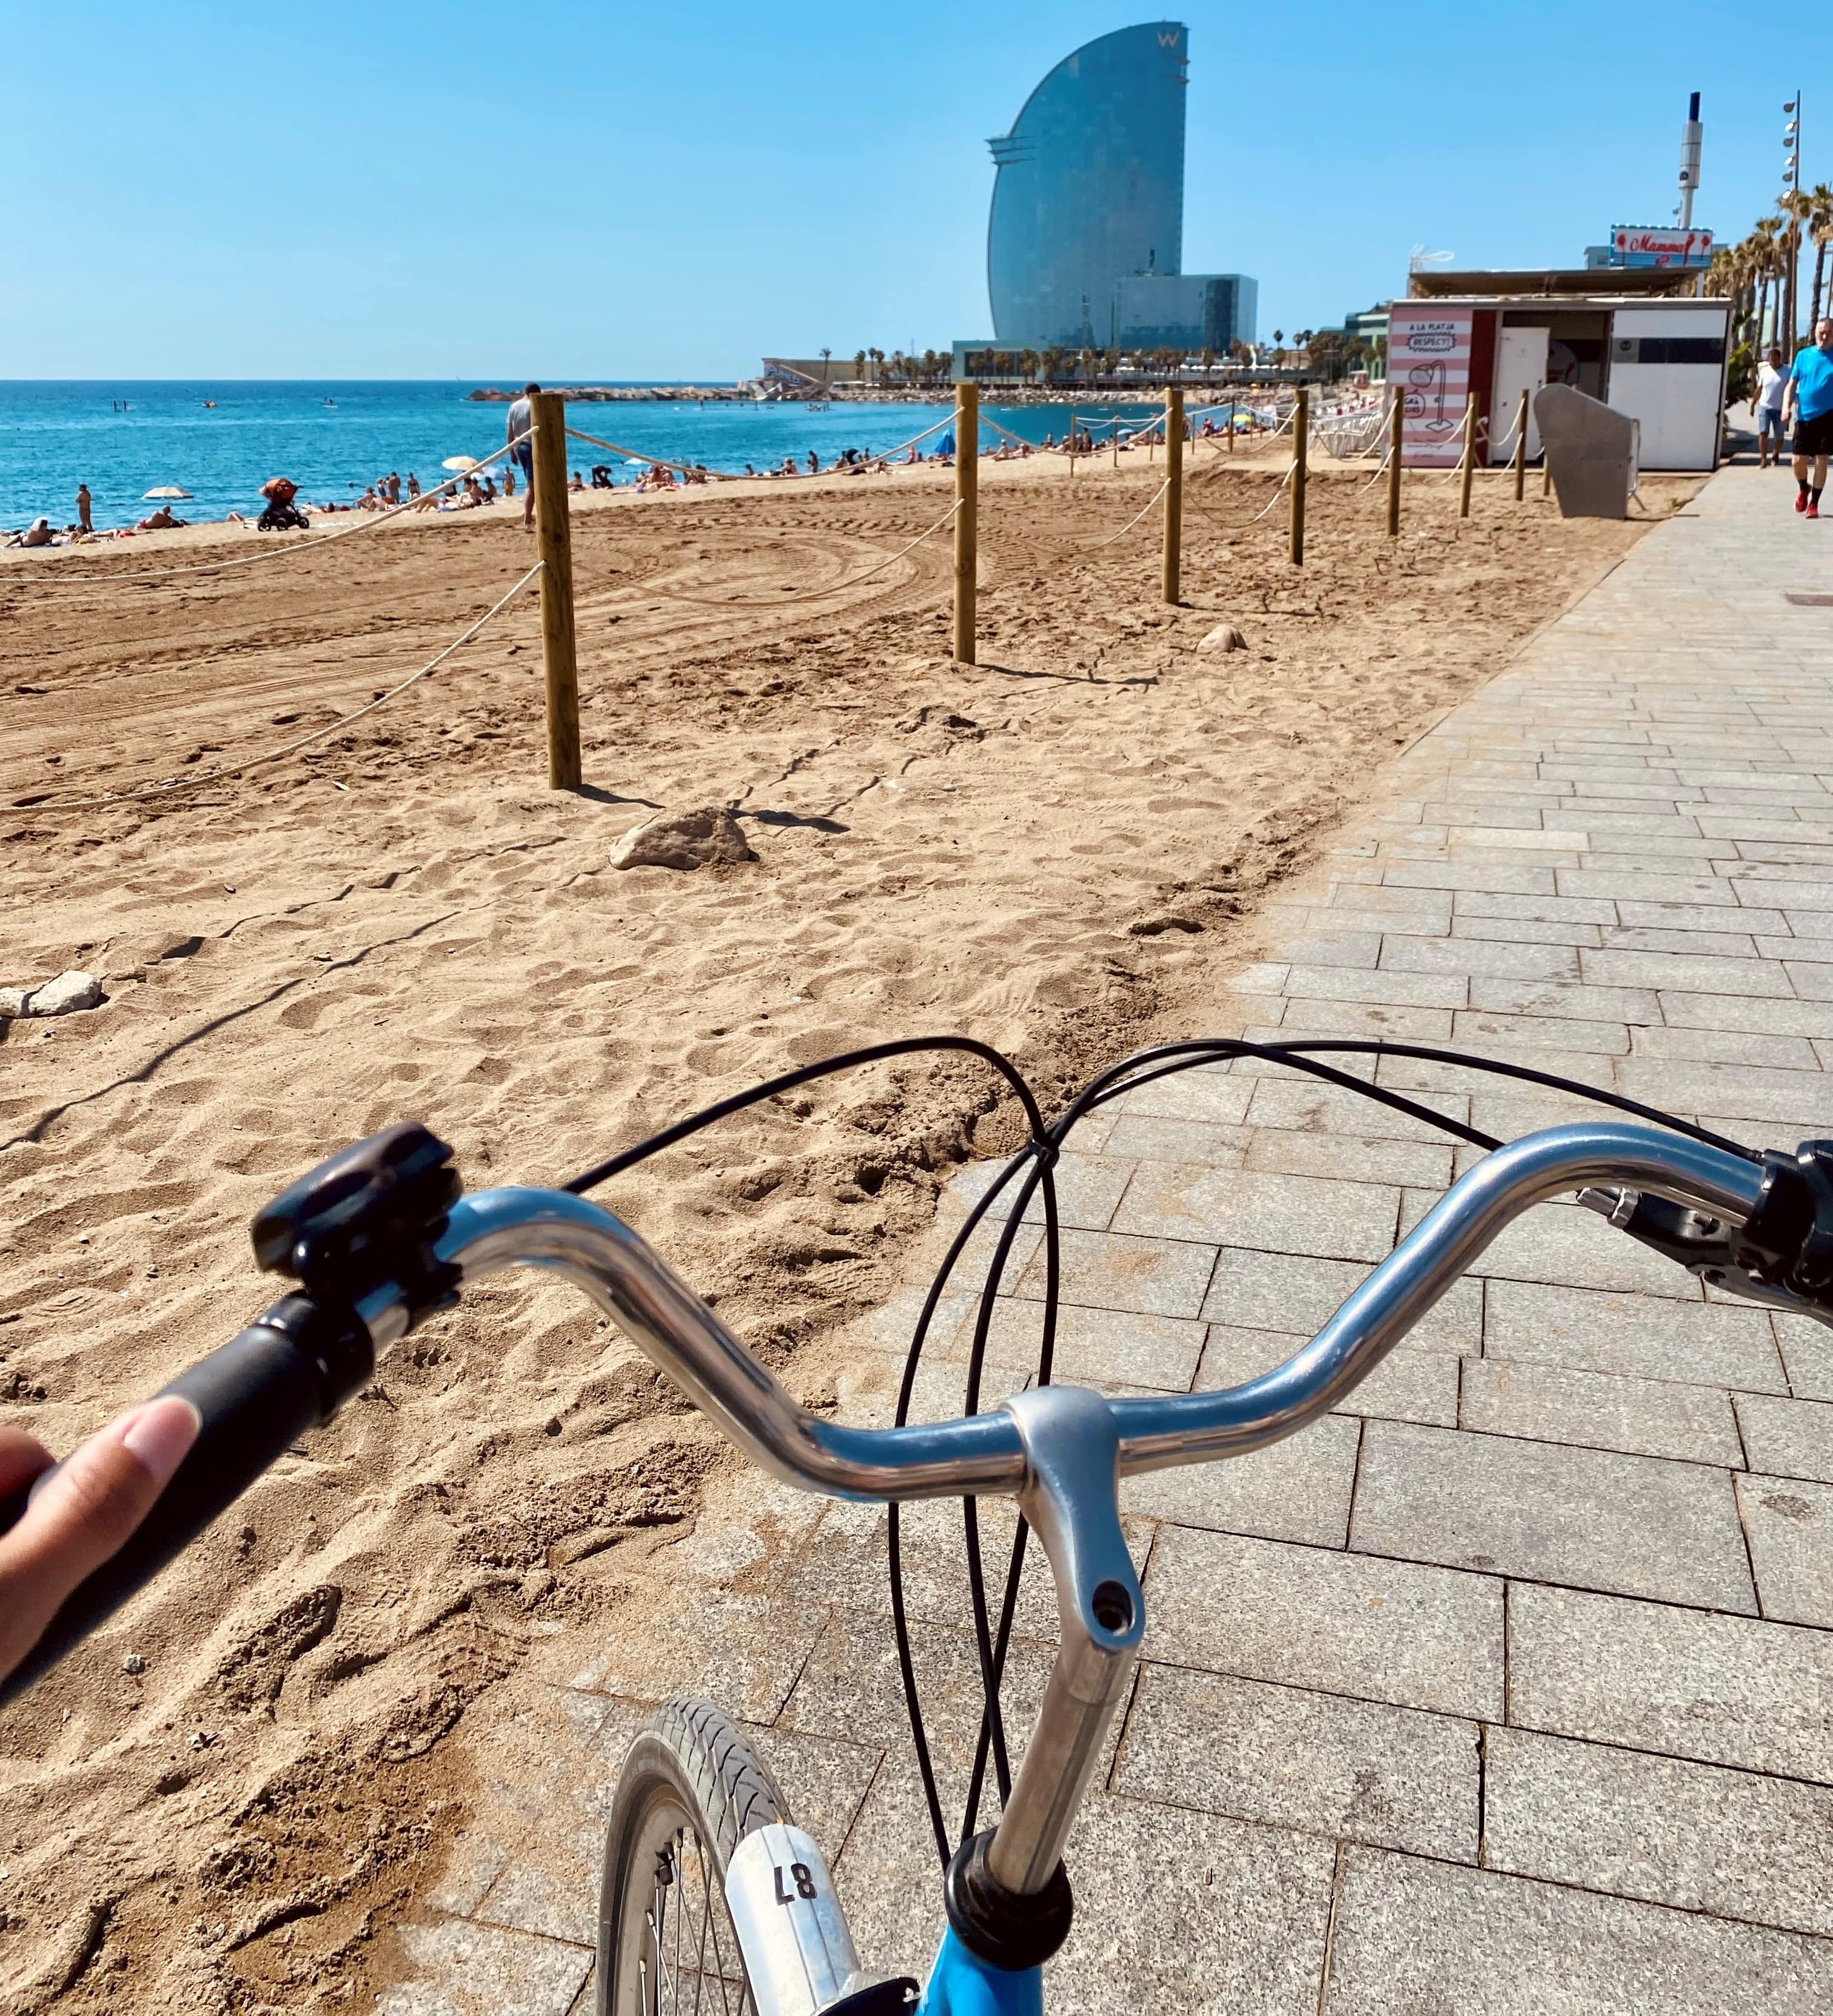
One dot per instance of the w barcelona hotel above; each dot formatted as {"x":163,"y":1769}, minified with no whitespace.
{"x":1085,"y":245}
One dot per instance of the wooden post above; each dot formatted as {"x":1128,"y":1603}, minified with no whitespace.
{"x":1470,"y":456}
{"x":1546,"y":469}
{"x":1396,"y":449}
{"x":1231,"y":424}
{"x":1116,"y":444}
{"x":554,"y":543}
{"x":1301,"y":434}
{"x":1072,"y":441}
{"x":1174,"y":496}
{"x":967,"y":515}
{"x":1521,"y":448}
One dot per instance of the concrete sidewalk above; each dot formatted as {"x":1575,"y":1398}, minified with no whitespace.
{"x":1511,"y":1688}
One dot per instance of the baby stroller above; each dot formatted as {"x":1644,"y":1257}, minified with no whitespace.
{"x":281,"y":515}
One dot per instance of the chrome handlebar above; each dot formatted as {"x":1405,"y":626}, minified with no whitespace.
{"x":1060,"y":1451}
{"x":984,"y":1454}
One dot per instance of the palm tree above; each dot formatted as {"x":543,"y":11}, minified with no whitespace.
{"x":825,"y":355}
{"x":859,"y":364}
{"x":1763,"y":245}
{"x":1820,"y":223}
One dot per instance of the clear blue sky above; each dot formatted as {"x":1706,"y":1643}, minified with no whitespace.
{"x":585,"y":191}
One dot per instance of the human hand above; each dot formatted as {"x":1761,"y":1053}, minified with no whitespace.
{"x":84,"y":1514}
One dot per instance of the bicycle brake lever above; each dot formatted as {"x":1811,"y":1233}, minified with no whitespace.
{"x":1781,"y":1257}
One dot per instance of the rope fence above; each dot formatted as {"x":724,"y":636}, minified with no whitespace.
{"x":553,"y":568}
{"x":193,"y":779}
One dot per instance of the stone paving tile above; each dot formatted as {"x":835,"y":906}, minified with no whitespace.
{"x":1807,"y":1352}
{"x":1279,"y":1292}
{"x":1149,"y":1137}
{"x":1790,"y":1525}
{"x":1106,"y":1270}
{"x":1414,"y":1635}
{"x":1308,"y":1107}
{"x":1763,"y":1016}
{"x":460,"y":1968}
{"x":1190,"y":1911}
{"x":1601,"y":1410}
{"x":1320,"y":1763}
{"x":1411,"y":1936}
{"x":1787,"y":1437}
{"x":1646,"y":1676}
{"x":1297,"y":1489}
{"x":1408,"y":1384}
{"x":1100,"y":1346}
{"x":1208,"y":1093}
{"x":1586,"y":1518}
{"x":1088,"y":1188}
{"x":1695,"y":1836}
{"x":1565,"y":1243}
{"x":1290,"y":1151}
{"x":1478,"y":957}
{"x":1273,"y":1214}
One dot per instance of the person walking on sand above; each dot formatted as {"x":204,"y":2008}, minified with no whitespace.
{"x":519,"y":433}
{"x":1766,"y":405}
{"x":1810,"y":399}
{"x":83,"y":503}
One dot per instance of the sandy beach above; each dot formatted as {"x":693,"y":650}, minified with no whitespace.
{"x":1061,"y":851}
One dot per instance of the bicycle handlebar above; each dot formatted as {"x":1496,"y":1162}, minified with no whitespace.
{"x":293,"y":1369}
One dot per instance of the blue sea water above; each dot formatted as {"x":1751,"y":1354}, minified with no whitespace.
{"x":333,"y":439}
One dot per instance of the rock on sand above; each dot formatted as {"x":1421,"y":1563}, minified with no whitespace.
{"x":1224,"y":637}
{"x":683,"y":840}
{"x":63,"y":995}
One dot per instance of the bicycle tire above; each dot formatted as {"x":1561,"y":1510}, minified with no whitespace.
{"x":691,"y":1790}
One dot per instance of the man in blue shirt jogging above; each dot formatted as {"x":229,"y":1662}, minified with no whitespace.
{"x":1809,"y":398}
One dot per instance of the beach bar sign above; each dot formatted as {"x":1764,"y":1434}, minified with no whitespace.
{"x":1657,"y":245}
{"x":1428,"y":360}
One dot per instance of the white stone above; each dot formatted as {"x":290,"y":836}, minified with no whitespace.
{"x":12,"y":1001}
{"x":1224,"y":637}
{"x":683,"y":840}
{"x":66,"y":994}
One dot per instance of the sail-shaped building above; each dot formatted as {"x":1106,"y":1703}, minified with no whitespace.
{"x":1085,"y":244}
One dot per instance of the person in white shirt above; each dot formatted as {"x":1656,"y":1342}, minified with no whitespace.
{"x":1772,"y":385}
{"x":519,"y":432}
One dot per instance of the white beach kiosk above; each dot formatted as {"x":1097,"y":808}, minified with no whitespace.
{"x":1649,"y":348}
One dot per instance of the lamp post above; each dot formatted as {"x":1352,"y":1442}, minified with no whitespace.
{"x":1790,"y":200}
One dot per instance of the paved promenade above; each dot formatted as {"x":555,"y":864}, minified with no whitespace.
{"x":1508,"y":1690}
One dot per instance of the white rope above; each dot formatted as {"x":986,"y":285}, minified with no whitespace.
{"x":56,"y":578}
{"x":172,"y":784}
{"x":1291,"y":469}
{"x":1094,"y":544}
{"x":815,"y":595}
{"x":1387,"y":457}
{"x":657,"y":461}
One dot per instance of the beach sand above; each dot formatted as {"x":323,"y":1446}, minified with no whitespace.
{"x":1061,"y":851}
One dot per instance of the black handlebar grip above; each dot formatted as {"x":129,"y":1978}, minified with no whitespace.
{"x":255,"y":1397}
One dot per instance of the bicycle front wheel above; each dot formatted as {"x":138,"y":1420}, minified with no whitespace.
{"x":691,"y":1790}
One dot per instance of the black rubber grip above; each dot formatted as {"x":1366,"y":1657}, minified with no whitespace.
{"x":256,"y":1396}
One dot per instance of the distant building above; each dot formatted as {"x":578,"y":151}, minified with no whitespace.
{"x":1085,"y":243}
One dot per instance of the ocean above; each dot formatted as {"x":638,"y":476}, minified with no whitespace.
{"x":335,"y":438}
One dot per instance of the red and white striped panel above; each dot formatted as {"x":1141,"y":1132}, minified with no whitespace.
{"x":1428,"y":358}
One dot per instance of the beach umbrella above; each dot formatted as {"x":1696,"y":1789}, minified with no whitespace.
{"x":460,"y":463}
{"x":166,"y":490}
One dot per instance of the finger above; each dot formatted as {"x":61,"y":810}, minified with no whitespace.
{"x":82,"y":1515}
{"x":22,"y":1458}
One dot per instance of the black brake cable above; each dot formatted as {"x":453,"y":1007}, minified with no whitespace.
{"x":1037,"y":1159}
